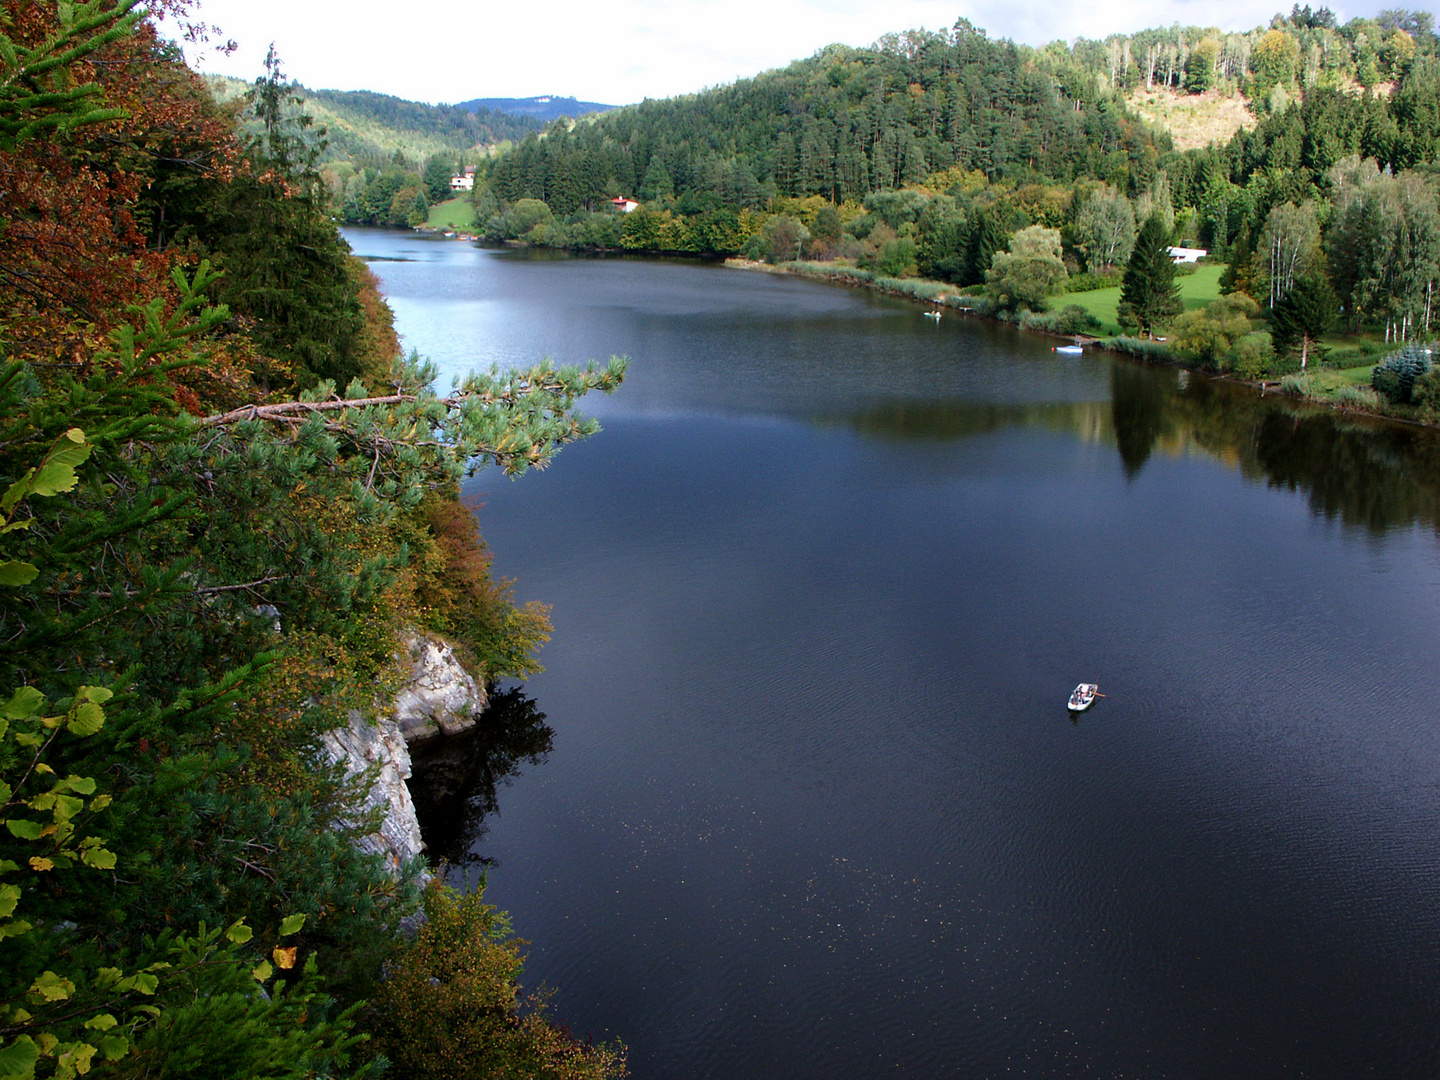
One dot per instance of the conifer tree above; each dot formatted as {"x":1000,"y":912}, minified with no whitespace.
{"x":1148,"y":293}
{"x":1303,"y":315}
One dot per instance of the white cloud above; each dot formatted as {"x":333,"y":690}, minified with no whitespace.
{"x":625,"y":50}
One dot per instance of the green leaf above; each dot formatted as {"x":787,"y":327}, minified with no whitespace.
{"x":25,"y":830}
{"x":262,"y":971}
{"x":101,"y":1022}
{"x":97,"y":694}
{"x":13,"y":572}
{"x":98,"y":859}
{"x":239,"y":933}
{"x":67,"y":806}
{"x":17,"y":1060}
{"x":291,"y":924}
{"x":24,"y":702}
{"x":53,"y":478}
{"x":9,"y":898}
{"x":14,"y":929}
{"x":146,"y":983}
{"x":114,"y":1047}
{"x":86,"y":719}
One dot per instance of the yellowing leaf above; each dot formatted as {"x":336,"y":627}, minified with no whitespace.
{"x":52,"y":987}
{"x":37,"y":863}
{"x":284,"y":957}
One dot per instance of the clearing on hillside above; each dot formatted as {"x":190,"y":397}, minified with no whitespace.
{"x":1193,"y":120}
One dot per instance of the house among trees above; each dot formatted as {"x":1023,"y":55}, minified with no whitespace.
{"x":1187,"y":255}
{"x":464,"y":181}
{"x":623,"y":204}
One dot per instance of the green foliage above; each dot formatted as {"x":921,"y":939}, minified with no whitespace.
{"x":843,"y":124}
{"x":1148,"y":293}
{"x":1212,"y":336}
{"x":451,"y":1005}
{"x":1088,"y":282}
{"x":1104,"y":230}
{"x":1302,"y":316}
{"x":1144,"y":348}
{"x":1395,"y":377}
{"x":285,"y":266}
{"x":1071,"y":319}
{"x":1029,"y":272}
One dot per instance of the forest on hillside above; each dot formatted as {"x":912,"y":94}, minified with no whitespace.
{"x":225,"y":498}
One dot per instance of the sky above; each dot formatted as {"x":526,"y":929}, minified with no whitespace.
{"x":621,"y":51}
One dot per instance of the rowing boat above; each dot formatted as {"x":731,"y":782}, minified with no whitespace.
{"x":1083,"y":697}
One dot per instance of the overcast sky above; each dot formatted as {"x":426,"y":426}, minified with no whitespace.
{"x":621,"y":51}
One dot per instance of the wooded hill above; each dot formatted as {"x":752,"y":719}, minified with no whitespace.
{"x":370,"y":129}
{"x":940,"y":154}
{"x":543,"y":108}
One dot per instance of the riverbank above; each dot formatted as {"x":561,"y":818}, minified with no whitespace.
{"x":1339,"y":390}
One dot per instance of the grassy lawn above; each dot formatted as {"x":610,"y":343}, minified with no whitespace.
{"x":455,"y":214}
{"x":1196,"y":290}
{"x":1354,"y":376}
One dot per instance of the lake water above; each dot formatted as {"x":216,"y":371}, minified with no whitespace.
{"x":814,"y":807}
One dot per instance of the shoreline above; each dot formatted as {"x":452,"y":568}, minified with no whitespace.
{"x":945,"y":297}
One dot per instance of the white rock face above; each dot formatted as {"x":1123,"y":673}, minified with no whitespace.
{"x":361,"y":745}
{"x":440,"y":697}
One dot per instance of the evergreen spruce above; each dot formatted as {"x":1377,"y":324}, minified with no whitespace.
{"x":1148,"y":292}
{"x":1302,"y":316}
{"x":987,"y":236}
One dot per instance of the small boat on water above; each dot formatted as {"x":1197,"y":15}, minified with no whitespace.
{"x":1084,"y":696}
{"x":1067,"y":349}
{"x":932,"y":315}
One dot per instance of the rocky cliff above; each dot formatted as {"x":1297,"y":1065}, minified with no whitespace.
{"x":439,"y":698}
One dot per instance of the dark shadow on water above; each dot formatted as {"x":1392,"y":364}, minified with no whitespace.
{"x":454,"y":779}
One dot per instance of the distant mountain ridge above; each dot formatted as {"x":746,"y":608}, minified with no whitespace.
{"x":362,"y":125}
{"x":546,"y":107}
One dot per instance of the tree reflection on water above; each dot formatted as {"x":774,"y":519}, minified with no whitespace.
{"x":455,"y":778}
{"x":1365,"y":471}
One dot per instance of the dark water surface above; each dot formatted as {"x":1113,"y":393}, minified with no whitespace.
{"x":814,"y":807}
